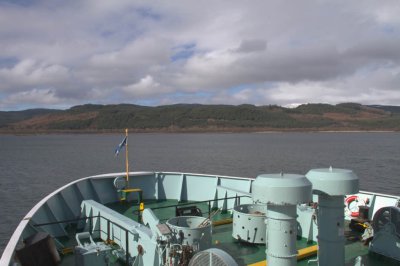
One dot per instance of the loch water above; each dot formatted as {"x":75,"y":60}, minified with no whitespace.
{"x":33,"y":166}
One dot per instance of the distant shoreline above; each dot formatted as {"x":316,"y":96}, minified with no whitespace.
{"x":188,"y":131}
{"x":195,"y":118}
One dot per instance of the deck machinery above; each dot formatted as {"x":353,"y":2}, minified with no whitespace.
{"x":270,"y":220}
{"x":280,"y":208}
{"x":281,"y":193}
{"x":331,"y":185}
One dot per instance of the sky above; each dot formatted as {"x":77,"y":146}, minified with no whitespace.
{"x":62,"y":53}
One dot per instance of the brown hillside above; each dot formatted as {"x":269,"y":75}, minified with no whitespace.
{"x":43,"y":121}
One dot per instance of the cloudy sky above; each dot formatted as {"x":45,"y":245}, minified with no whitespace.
{"x":60,"y":53}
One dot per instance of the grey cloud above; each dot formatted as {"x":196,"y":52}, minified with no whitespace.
{"x":384,"y":49}
{"x":248,"y":46}
{"x":88,"y":50}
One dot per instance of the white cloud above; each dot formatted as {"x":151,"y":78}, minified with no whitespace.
{"x":278,"y":52}
{"x":31,"y":73}
{"x":359,"y":88}
{"x":147,"y":86}
{"x":141,"y":52}
{"x":33,"y":98}
{"x":386,"y":14}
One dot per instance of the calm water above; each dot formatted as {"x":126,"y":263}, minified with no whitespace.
{"x":33,"y":166}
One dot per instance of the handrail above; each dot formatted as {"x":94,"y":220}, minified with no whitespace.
{"x":202,"y":201}
{"x":99,"y":216}
{"x":99,"y":230}
{"x":8,"y":252}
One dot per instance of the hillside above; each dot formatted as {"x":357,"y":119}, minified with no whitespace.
{"x":199,"y":118}
{"x":7,"y":118}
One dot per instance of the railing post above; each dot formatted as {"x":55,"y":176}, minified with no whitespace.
{"x":127,"y":247}
{"x":237,"y":201}
{"x":209,"y":209}
{"x":108,"y":230}
{"x":98,"y":217}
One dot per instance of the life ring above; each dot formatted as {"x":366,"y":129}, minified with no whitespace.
{"x":350,"y":206}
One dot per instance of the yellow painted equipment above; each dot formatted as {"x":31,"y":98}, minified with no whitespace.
{"x":301,"y":254}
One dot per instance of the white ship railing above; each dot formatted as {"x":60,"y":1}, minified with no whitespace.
{"x":8,"y":253}
{"x":7,"y":256}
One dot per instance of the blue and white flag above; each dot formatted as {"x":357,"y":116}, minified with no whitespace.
{"x":120,"y":146}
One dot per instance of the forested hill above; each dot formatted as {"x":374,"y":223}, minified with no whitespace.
{"x":202,"y":118}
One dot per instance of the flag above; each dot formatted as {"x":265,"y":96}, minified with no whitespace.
{"x":120,"y":146}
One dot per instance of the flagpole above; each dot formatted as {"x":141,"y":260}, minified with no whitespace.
{"x":126,"y":158}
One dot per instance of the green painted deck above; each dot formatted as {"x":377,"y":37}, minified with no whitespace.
{"x":244,"y":253}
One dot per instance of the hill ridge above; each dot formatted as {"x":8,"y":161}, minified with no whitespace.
{"x":202,"y":118}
